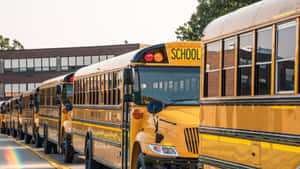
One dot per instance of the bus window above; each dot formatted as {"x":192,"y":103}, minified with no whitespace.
{"x":263,"y":61}
{"x":158,"y":83}
{"x":285,"y":56}
{"x":212,"y":69}
{"x":228,"y":67}
{"x":245,"y":64}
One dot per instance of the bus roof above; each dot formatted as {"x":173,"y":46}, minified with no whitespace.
{"x":113,"y":63}
{"x":175,"y":53}
{"x":56,"y":80}
{"x":262,"y":12}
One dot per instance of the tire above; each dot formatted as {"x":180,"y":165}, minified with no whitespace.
{"x":68,"y":153}
{"x":46,"y":143}
{"x":27,"y":137}
{"x":38,"y":140}
{"x":89,"y":162}
{"x":140,"y":164}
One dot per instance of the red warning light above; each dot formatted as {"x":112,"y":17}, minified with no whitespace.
{"x":148,"y":57}
{"x":71,"y":79}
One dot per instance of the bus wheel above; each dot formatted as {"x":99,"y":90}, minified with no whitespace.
{"x":20,"y":133}
{"x":27,"y":137}
{"x":3,"y":128}
{"x":46,"y":143}
{"x":140,"y":164}
{"x":68,"y":152}
{"x":38,"y":140}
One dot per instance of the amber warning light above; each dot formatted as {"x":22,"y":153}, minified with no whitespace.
{"x":156,"y":57}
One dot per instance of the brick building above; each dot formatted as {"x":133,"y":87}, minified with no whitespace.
{"x":23,"y":70}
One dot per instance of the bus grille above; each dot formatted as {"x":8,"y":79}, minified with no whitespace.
{"x":191,"y":139}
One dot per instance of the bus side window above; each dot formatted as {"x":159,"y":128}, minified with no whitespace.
{"x":245,"y":64}
{"x":212,"y":69}
{"x":228,"y":67}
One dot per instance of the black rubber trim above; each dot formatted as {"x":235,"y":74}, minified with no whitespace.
{"x":104,"y":107}
{"x":103,"y":123}
{"x":252,"y":135}
{"x":28,"y":116}
{"x":106,"y":163}
{"x":264,"y":101}
{"x":171,"y":160}
{"x":222,"y":163}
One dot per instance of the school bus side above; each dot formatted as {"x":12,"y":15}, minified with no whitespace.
{"x":250,"y":88}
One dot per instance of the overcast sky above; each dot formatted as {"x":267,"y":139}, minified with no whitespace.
{"x":68,"y":23}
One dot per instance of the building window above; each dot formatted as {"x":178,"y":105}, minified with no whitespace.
{"x":95,"y":59}
{"x":228,"y":67}
{"x":15,"y":65}
{"x":30,"y":65}
{"x":263,"y":62}
{"x":7,"y":65}
{"x":53,"y":64}
{"x":102,"y":58}
{"x":72,"y":62}
{"x":45,"y":62}
{"x":285,"y":56}
{"x":64,"y":63}
{"x":87,"y":60}
{"x":37,"y":64}
{"x":79,"y":61}
{"x":23,"y":87}
{"x":110,"y":56}
{"x":245,"y":64}
{"x":23,"y":65}
{"x":8,"y":90}
{"x":212,"y":69}
{"x":30,"y":86}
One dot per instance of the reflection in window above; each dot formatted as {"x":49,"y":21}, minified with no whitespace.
{"x":245,"y":64}
{"x":285,"y":56}
{"x":212,"y":69}
{"x":263,"y":61}
{"x":228,"y":67}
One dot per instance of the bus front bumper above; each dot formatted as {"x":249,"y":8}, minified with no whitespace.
{"x":170,"y":163}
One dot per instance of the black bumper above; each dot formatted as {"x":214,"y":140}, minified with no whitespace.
{"x":170,"y":163}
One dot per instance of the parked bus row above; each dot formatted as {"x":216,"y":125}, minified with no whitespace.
{"x":150,"y":108}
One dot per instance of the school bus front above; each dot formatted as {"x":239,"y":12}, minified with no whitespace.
{"x":165,"y":109}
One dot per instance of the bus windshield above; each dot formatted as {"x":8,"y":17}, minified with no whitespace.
{"x":169,"y":85}
{"x":67,"y":93}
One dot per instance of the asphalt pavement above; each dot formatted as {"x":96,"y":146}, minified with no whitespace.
{"x":16,"y":155}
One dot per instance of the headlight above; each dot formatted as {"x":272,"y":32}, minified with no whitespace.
{"x":163,"y":150}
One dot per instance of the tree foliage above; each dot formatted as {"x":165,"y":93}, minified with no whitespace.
{"x":207,"y":10}
{"x":7,"y":44}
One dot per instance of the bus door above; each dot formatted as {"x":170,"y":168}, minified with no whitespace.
{"x":128,"y":97}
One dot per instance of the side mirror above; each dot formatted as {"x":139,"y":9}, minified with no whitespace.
{"x":58,"y":89}
{"x":128,"y":97}
{"x":31,"y":106}
{"x":128,"y":79}
{"x":57,"y":101}
{"x":17,"y":101}
{"x":69,"y":107}
{"x":155,"y":107}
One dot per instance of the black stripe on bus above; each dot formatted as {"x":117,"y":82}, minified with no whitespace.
{"x":252,"y":135}
{"x":274,"y":100}
{"x":97,"y":122}
{"x":27,"y":116}
{"x":48,"y":107}
{"x":104,"y":107}
{"x":222,"y":163}
{"x":107,"y":141}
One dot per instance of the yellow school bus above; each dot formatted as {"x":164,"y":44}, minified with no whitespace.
{"x":3,"y":117}
{"x":250,"y":109}
{"x":55,"y":115}
{"x":16,"y":112}
{"x":140,"y":109}
{"x":29,"y":115}
{"x":8,"y":106}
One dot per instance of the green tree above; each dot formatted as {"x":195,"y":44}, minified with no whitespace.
{"x":207,"y":10}
{"x":7,"y":44}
